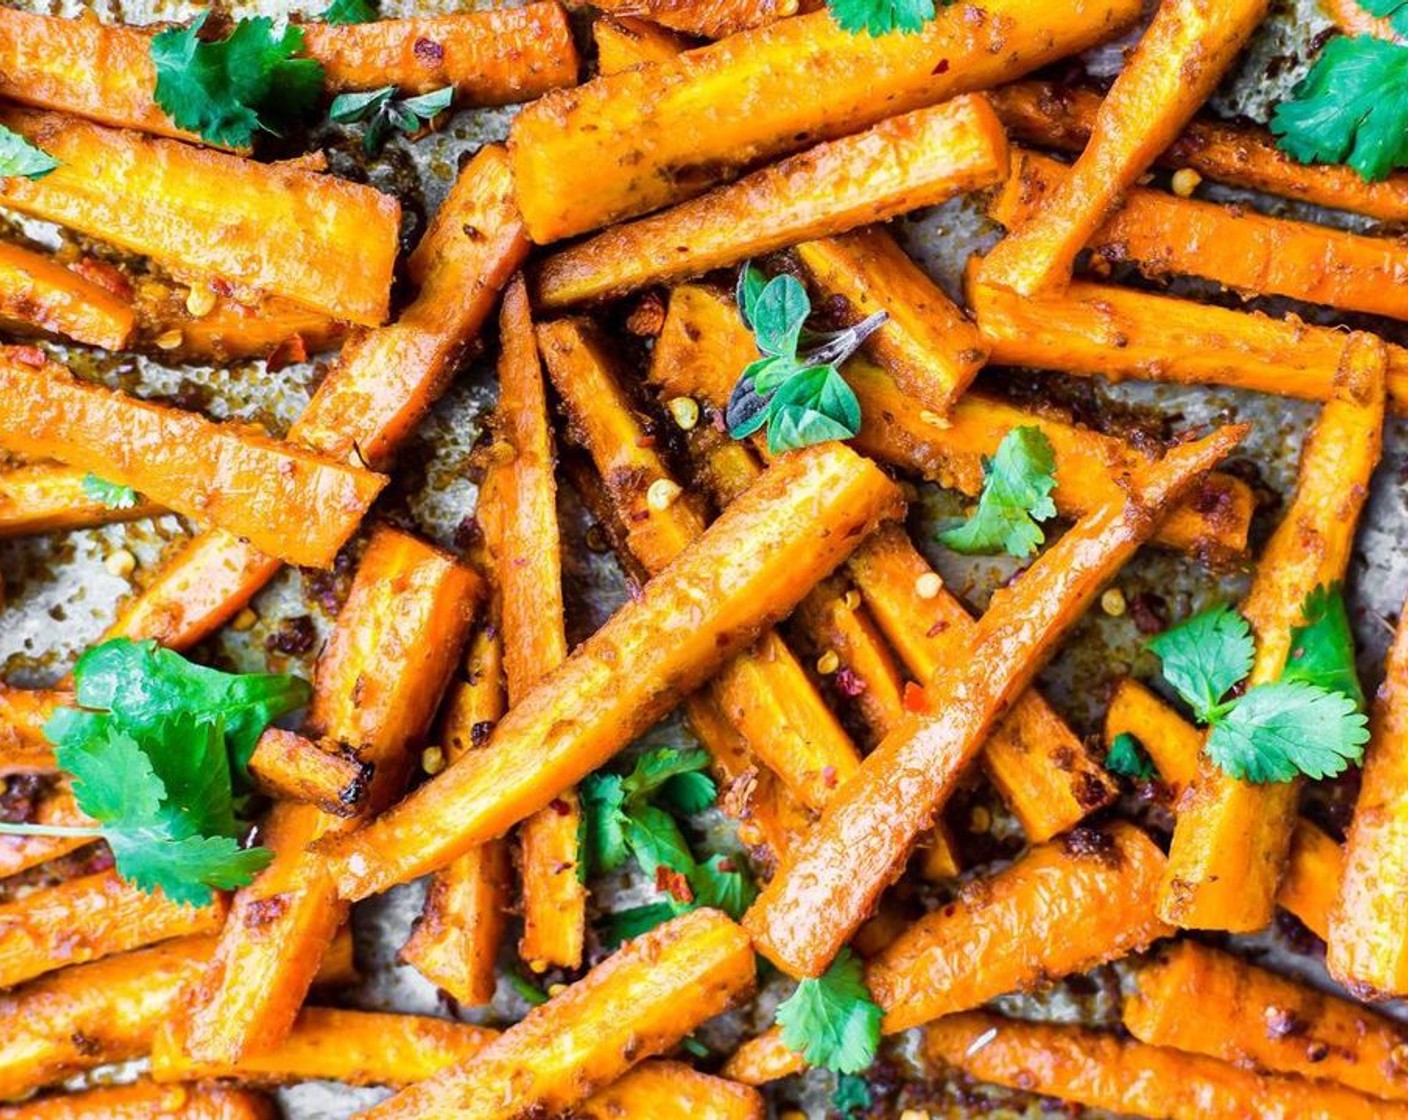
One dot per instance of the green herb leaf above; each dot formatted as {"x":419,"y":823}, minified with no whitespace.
{"x":656,"y":841}
{"x":1351,"y":108}
{"x":880,"y":17}
{"x":1395,"y":11}
{"x":232,"y":88}
{"x":691,"y":1045}
{"x":656,"y":768}
{"x":109,"y":494}
{"x":349,"y":11}
{"x":688,"y":794}
{"x":778,"y":315}
{"x":1277,"y":732}
{"x":1127,"y":758}
{"x":815,"y":405}
{"x":1017,"y":485}
{"x":1205,"y":657}
{"x":603,"y":833}
{"x":625,"y":925}
{"x":832,"y":1021}
{"x":19,"y":157}
{"x":1322,"y":648}
{"x":384,"y":113}
{"x":528,"y":992}
{"x":725,"y":886}
{"x":751,"y":282}
{"x":852,"y":1095}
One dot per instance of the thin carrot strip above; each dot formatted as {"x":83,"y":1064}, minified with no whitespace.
{"x":632,"y":142}
{"x":898,"y":165}
{"x":1231,"y":840}
{"x":1179,"y":61}
{"x":1100,"y":1070}
{"x":749,"y":569}
{"x":40,"y":294}
{"x":624,"y":42}
{"x":837,"y":872}
{"x":143,"y":1100}
{"x":709,"y":19}
{"x":49,"y":497}
{"x":291,"y":502}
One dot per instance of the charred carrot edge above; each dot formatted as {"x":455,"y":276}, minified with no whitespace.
{"x":928,"y":345}
{"x":804,"y":79}
{"x":623,"y":43}
{"x":1120,"y":333}
{"x":57,"y":807}
{"x":1180,"y":59}
{"x":144,"y":1100}
{"x":1363,"y":951}
{"x":898,"y":165}
{"x":1245,"y":251}
{"x":49,"y":497}
{"x":1230,"y":843}
{"x":948,"y":961}
{"x":327,"y":243}
{"x":748,"y":569}
{"x":293,"y":503}
{"x":1263,"y":1021}
{"x":380,"y":388}
{"x":625,"y":1010}
{"x":395,"y":646}
{"x":40,"y":294}
{"x":1101,"y":1070}
{"x":712,"y":19}
{"x":455,"y":942}
{"x":1090,"y":465}
{"x":836,"y":873}
{"x":765,"y":693}
{"x":1056,"y":116}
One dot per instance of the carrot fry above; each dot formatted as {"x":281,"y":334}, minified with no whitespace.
{"x":632,"y":142}
{"x":1365,"y":952}
{"x":673,"y":1089}
{"x":293,"y":503}
{"x":23,"y":714}
{"x":1230,"y":843}
{"x":1180,"y":59}
{"x":1058,"y":116}
{"x":625,"y":1010}
{"x":146,"y":1101}
{"x":836,"y":873}
{"x":931,"y":349}
{"x":1242,"y":250}
{"x":1264,"y":1021}
{"x":57,"y":807}
{"x":40,"y":294}
{"x":749,"y":568}
{"x":49,"y":497}
{"x":765,"y":693}
{"x":624,"y":43}
{"x":378,"y":682}
{"x":900,"y":164}
{"x":324,"y":242}
{"x":1090,"y":465}
{"x":709,"y":19}
{"x":1103,"y":1071}
{"x":381,"y":387}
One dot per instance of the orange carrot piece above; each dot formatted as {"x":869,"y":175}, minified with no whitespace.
{"x":623,"y":43}
{"x":673,"y":1089}
{"x":49,"y":497}
{"x":145,"y":1101}
{"x":23,"y":714}
{"x":635,"y":141}
{"x":709,"y":19}
{"x":293,"y":503}
{"x":1180,"y":59}
{"x":749,"y":568}
{"x":625,"y":1010}
{"x":898,"y":165}
{"x":1230,"y":843}
{"x":836,"y":873}
{"x":40,"y":294}
{"x":1101,"y":1070}
{"x":1264,"y":1021}
{"x":56,"y":807}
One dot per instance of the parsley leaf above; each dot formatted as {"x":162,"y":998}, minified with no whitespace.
{"x":1204,"y":657}
{"x":1351,"y":108}
{"x":1127,"y":758}
{"x":109,"y":494}
{"x":880,"y":17}
{"x":1017,"y":485}
{"x":384,"y":113}
{"x":1279,"y":731}
{"x":832,"y":1021}
{"x":232,"y":88}
{"x":349,"y":11}
{"x":852,"y":1094}
{"x":19,"y":157}
{"x":1322,"y":649}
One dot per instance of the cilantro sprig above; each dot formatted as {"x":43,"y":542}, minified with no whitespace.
{"x":831,"y":1020}
{"x":1016,"y":496}
{"x":796,"y":389}
{"x":109,"y":494}
{"x":384,"y":113}
{"x":852,"y":1094}
{"x":18,"y":157}
{"x":349,"y":11}
{"x":1127,"y":758}
{"x":880,"y":17}
{"x":1309,"y":722}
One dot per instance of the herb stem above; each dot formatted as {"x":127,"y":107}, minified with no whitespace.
{"x":11,"y":829}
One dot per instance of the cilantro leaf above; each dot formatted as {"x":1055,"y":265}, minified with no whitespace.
{"x":1322,"y":648}
{"x":832,"y":1021}
{"x":603,"y":837}
{"x":725,"y":886}
{"x":1279,"y":731}
{"x":1127,"y":758}
{"x":1395,"y":11}
{"x":349,"y":11}
{"x":687,"y":794}
{"x":852,"y":1095}
{"x":112,"y":775}
{"x":1351,"y":108}
{"x":187,"y":868}
{"x":1205,"y":657}
{"x":232,"y":88}
{"x":880,"y":17}
{"x":656,"y":768}
{"x":1017,"y":485}
{"x":656,"y":841}
{"x":625,"y":925}
{"x":109,"y":494}
{"x":19,"y":157}
{"x":384,"y":113}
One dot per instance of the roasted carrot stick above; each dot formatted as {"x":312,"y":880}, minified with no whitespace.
{"x":709,"y":19}
{"x":1122,"y":333}
{"x":396,"y":644}
{"x":1180,"y":59}
{"x":751,"y":567}
{"x":625,"y":1010}
{"x":1101,"y":1070}
{"x":898,"y":165}
{"x":293,"y":503}
{"x":56,"y":807}
{"x":49,"y":497}
{"x":1240,"y":249}
{"x":635,"y":141}
{"x":673,"y":1089}
{"x":715,"y":346}
{"x":23,"y":714}
{"x":40,"y":294}
{"x":623,"y":43}
{"x":1264,"y":1021}
{"x":1230,"y":843}
{"x":1049,"y":115}
{"x":381,"y":387}
{"x":143,"y":1100}
{"x":836,"y":873}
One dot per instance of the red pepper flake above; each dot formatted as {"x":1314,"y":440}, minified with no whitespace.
{"x":291,"y":351}
{"x":847,"y":683}
{"x":671,"y":882}
{"x":938,"y":628}
{"x":29,"y":356}
{"x":560,"y":807}
{"x":428,"y":51}
{"x":828,"y":777}
{"x":914,"y":698}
